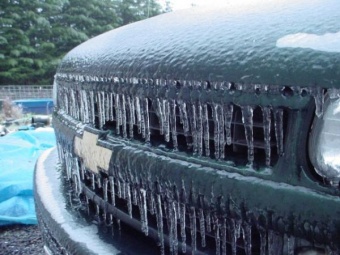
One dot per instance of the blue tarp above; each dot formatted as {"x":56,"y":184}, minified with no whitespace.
{"x":18,"y":154}
{"x":36,"y":106}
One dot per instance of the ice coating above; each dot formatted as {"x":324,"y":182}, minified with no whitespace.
{"x":164,"y":201}
{"x":154,"y":71}
{"x":56,"y":204}
{"x":162,"y":47}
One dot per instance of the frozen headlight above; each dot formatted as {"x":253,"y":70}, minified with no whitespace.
{"x":324,"y":142}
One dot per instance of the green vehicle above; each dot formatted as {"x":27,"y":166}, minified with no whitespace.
{"x":206,"y":131}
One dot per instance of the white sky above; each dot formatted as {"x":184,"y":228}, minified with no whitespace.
{"x":184,"y":4}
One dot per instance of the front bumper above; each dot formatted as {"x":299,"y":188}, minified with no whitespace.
{"x":66,"y":232}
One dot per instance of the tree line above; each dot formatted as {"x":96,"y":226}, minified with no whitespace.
{"x":36,"y":34}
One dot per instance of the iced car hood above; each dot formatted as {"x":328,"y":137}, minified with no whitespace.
{"x":266,"y":42}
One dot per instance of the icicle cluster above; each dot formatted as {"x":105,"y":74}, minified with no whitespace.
{"x":181,"y":222}
{"x":200,"y":123}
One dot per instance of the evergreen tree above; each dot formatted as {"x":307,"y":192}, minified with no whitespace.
{"x":36,"y":34}
{"x":81,"y":20}
{"x":135,"y":10}
{"x":24,"y":43}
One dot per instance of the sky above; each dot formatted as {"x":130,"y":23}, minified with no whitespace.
{"x":184,"y":4}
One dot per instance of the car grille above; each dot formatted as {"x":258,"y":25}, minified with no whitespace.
{"x":243,"y":135}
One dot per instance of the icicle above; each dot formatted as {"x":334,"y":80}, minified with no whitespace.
{"x":206,"y":130}
{"x":107,"y":106}
{"x":73,"y":105}
{"x":144,"y":212}
{"x":82,"y":106}
{"x":87,"y":204}
{"x":185,"y":119}
{"x":217,"y":236}
{"x":93,"y":115}
{"x":224,"y":237}
{"x":222,"y":139}
{"x":86,"y":108}
{"x":246,"y":233}
{"x":267,"y":122}
{"x":175,"y":231}
{"x":103,"y":106}
{"x":113,"y":193}
{"x":93,"y":181}
{"x":68,"y":166}
{"x":99,"y":182}
{"x":159,"y":218}
{"x":208,"y":221}
{"x":159,"y":112}
{"x":173,"y":241}
{"x":193,"y":229}
{"x":119,"y":227}
{"x":119,"y":189}
{"x":228,"y":117}
{"x":173,"y":123}
{"x":170,"y":223}
{"x":182,"y":225}
{"x":105,"y":184}
{"x":97,"y":215}
{"x":110,"y":224}
{"x":123,"y":189}
{"x":216,"y":131}
{"x":118,"y":113}
{"x":82,"y":170}
{"x":202,"y":226}
{"x":247,"y":119}
{"x":138,"y":114}
{"x":142,"y":117}
{"x":100,"y":110}
{"x":235,"y":229}
{"x":78,"y":174}
{"x":278,"y":119}
{"x":75,"y":184}
{"x":111,"y":107}
{"x":66,"y":103}
{"x":183,"y":198}
{"x":166,"y":114}
{"x":146,"y":120}
{"x":124,"y":122}
{"x":263,"y":240}
{"x":290,"y":244}
{"x":134,"y":196}
{"x":193,"y":123}
{"x":275,"y":243}
{"x":131,"y":115}
{"x":151,"y":202}
{"x":200,"y":128}
{"x":128,"y":199}
{"x":318,"y":94}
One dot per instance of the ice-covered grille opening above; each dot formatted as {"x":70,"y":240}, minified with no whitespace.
{"x":221,"y":132}
{"x":182,"y":229}
{"x":242,"y":134}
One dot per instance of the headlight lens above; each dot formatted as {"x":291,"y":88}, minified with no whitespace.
{"x":324,"y":142}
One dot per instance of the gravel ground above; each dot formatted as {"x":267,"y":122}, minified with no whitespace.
{"x":21,"y":240}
